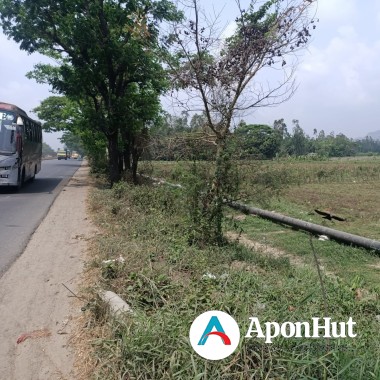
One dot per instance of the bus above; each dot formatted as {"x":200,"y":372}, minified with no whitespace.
{"x":20,"y":146}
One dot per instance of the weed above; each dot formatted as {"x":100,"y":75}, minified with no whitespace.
{"x":169,"y":283}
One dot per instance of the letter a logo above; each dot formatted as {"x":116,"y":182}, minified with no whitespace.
{"x":214,"y":335}
{"x":214,"y":323}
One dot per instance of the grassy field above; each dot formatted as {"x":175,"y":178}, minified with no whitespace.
{"x":166,"y":280}
{"x":348,"y":188}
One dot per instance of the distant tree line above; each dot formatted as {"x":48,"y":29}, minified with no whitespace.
{"x":176,"y":137}
{"x":47,"y":150}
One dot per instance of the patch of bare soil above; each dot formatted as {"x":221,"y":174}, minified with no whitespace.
{"x":376,"y":266}
{"x":273,"y":252}
{"x":38,"y":308}
{"x":239,"y":217}
{"x":264,"y":249}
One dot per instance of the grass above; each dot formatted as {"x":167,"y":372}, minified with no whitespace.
{"x":349,"y":263}
{"x":356,"y":202}
{"x":163,"y":280}
{"x":291,"y":171}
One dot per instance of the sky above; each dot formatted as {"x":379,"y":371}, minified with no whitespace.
{"x":338,"y":76}
{"x":17,"y":89}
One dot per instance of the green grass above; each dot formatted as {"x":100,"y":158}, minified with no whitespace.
{"x":348,"y":188}
{"x":349,"y":263}
{"x":163,"y":281}
{"x":291,"y":171}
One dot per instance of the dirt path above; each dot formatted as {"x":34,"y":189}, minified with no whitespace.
{"x":35,"y":308}
{"x":265,"y":249}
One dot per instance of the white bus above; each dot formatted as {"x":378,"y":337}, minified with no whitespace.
{"x":20,"y":146}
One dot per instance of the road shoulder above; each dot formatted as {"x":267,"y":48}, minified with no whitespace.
{"x":36,"y":305}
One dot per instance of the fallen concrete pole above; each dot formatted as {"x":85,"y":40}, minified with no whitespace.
{"x":296,"y":223}
{"x":117,"y":305}
{"x":310,"y":227}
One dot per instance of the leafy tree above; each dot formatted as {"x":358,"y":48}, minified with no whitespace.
{"x":47,"y":150}
{"x":198,"y":122}
{"x":280,"y":126}
{"x":257,"y":140}
{"x":58,"y":114}
{"x":101,"y":47}
{"x":72,"y":142}
{"x":368,"y":145}
{"x":284,"y":136}
{"x":343,"y":146}
{"x":334,"y":146}
{"x":299,"y":141}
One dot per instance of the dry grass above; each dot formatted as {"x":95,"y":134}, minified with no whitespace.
{"x":264,"y":249}
{"x":163,"y":281}
{"x":85,"y":331}
{"x":357,"y":202}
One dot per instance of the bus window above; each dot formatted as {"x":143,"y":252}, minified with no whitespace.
{"x":7,"y":128}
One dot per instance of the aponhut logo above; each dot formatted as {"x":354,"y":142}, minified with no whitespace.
{"x":214,"y":335}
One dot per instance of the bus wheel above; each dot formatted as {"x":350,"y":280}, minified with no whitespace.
{"x":21,"y":179}
{"x":34,"y":174}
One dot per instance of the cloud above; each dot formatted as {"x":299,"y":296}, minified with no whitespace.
{"x":339,"y":76}
{"x":229,"y":30}
{"x":15,"y":87}
{"x":345,"y":71}
{"x":336,"y":10}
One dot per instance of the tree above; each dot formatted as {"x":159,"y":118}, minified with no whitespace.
{"x":72,"y":142}
{"x":222,"y":77}
{"x":58,"y":114}
{"x":257,"y":140}
{"x":198,"y":122}
{"x":299,"y":141}
{"x":101,"y":47}
{"x":47,"y":150}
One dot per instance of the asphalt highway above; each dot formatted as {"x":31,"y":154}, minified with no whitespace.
{"x":22,"y":211}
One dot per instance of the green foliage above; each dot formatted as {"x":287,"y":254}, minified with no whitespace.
{"x":107,"y":61}
{"x":58,"y":114}
{"x":205,"y":201}
{"x":61,"y":113}
{"x":258,"y":141}
{"x":73,"y":142}
{"x":47,"y":150}
{"x":173,"y":136}
{"x":165,"y":284}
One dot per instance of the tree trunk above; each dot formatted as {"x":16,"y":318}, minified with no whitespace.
{"x":135,"y":160}
{"x":126,"y":149}
{"x":135,"y":157}
{"x":121,"y":162}
{"x":127,"y":157}
{"x":214,"y":205}
{"x":113,"y":158}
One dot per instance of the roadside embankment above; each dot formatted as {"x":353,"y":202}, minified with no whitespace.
{"x":36,"y":306}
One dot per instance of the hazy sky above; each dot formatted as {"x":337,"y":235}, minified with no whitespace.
{"x":338,"y":77}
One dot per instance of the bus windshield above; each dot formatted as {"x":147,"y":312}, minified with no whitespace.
{"x":7,"y":132}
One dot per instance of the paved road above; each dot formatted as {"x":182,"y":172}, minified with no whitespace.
{"x":21,"y":212}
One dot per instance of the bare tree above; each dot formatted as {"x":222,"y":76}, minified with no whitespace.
{"x":222,"y":77}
